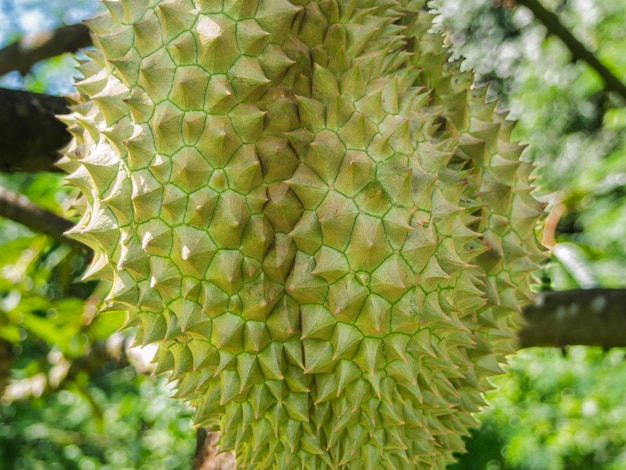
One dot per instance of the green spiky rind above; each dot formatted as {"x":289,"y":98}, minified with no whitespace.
{"x":328,"y":233}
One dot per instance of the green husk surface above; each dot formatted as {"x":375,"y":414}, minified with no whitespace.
{"x":317,"y":218}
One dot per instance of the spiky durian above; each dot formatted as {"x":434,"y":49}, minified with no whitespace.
{"x":322,"y":224}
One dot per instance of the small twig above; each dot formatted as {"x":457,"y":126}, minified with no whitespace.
{"x":579,"y":52}
{"x":32,"y":48}
{"x":19,"y":208}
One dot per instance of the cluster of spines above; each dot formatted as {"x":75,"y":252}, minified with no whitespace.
{"x":310,"y":228}
{"x":506,"y":213}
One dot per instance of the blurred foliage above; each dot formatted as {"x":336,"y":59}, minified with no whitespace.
{"x":113,"y":419}
{"x":552,"y":410}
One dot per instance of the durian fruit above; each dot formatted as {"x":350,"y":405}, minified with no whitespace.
{"x":317,"y":218}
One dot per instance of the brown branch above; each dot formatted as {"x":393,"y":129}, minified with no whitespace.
{"x":30,"y":133}
{"x":32,"y":48}
{"x":6,"y":356}
{"x":579,"y":52}
{"x":208,"y":456}
{"x":20,"y":209}
{"x":590,"y":317}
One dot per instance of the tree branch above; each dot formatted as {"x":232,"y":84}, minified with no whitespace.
{"x":578,"y":50}
{"x":20,"y":209}
{"x":208,"y":456}
{"x":32,"y":48}
{"x":31,"y":135}
{"x":6,"y":357}
{"x":590,"y":317}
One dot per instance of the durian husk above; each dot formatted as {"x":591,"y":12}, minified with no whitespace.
{"x":318,"y":219}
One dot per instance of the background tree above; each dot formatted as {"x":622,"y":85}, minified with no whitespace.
{"x":552,"y":411}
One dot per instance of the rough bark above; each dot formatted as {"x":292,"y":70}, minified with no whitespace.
{"x":207,"y":453}
{"x":30,"y":134}
{"x":32,"y":48}
{"x":591,"y":317}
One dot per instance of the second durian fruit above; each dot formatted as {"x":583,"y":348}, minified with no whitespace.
{"x":323,"y":226}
